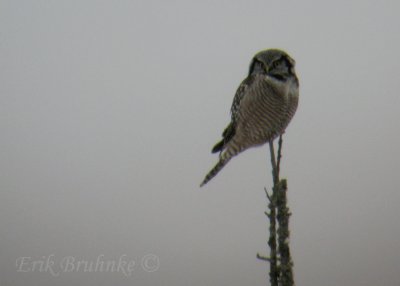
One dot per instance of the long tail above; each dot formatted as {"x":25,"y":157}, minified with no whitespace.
{"x":214,"y":171}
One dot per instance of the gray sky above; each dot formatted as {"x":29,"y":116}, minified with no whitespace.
{"x":108,"y":112}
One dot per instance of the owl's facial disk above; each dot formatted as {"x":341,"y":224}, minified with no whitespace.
{"x":282,"y":68}
{"x":274,"y":63}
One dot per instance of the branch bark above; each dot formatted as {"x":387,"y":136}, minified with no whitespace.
{"x":281,"y":264}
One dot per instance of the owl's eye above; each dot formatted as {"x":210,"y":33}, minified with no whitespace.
{"x":257,"y":67}
{"x":276,"y":64}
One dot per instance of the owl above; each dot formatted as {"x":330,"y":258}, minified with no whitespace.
{"x":262,"y":108}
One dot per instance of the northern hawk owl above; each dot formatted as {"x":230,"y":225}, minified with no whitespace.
{"x":262,"y":108}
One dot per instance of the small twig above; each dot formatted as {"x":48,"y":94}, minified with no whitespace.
{"x":266,"y":193}
{"x":263,"y":257}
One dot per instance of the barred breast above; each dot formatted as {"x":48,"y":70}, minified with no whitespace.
{"x":265,"y":111}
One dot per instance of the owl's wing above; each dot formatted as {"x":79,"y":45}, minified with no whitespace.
{"x":240,"y":94}
{"x":229,"y":131}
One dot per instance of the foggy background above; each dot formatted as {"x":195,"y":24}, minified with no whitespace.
{"x":109,"y":110}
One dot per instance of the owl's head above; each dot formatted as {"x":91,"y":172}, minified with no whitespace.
{"x":275,"y":63}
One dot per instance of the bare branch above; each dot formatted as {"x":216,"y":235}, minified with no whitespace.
{"x":281,"y":265}
{"x":278,"y":164}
